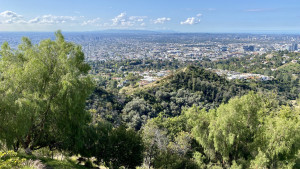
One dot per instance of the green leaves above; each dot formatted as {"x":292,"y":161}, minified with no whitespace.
{"x":248,"y":130}
{"x":43,"y":89}
{"x":9,"y":160}
{"x":282,"y":137}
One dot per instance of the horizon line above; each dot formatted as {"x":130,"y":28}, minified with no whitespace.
{"x":163,"y":32}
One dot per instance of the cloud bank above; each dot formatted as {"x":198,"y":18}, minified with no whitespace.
{"x":52,"y":19}
{"x":126,"y":21}
{"x":9,"y":17}
{"x":161,"y":20}
{"x":10,"y":20}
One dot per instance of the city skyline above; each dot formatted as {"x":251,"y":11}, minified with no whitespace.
{"x":215,"y":16}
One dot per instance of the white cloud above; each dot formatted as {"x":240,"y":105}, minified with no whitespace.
{"x":137,"y":18}
{"x":91,"y":22}
{"x":190,"y":21}
{"x":123,"y":20}
{"x":52,"y":19}
{"x":161,"y":20}
{"x":9,"y":14}
{"x":9,"y":17}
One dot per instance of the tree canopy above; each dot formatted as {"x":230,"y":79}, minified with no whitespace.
{"x":43,"y":89}
{"x":251,"y":131}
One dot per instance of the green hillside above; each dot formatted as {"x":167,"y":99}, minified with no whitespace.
{"x":291,"y":68}
{"x":187,"y":87}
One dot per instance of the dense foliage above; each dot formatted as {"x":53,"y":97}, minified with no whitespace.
{"x":10,"y":160}
{"x":106,"y":105}
{"x":112,"y":147}
{"x":133,"y":65}
{"x":252,"y":131}
{"x":185,"y":88}
{"x":43,"y":90}
{"x":282,"y":65}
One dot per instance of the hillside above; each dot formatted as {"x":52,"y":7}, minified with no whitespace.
{"x":291,"y":68}
{"x":212,"y":88}
{"x":187,"y":87}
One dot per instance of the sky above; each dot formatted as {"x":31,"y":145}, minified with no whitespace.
{"x":211,"y":16}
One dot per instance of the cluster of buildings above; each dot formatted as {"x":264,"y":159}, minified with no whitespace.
{"x":198,"y":46}
{"x":152,"y":76}
{"x":147,"y":77}
{"x":164,"y":47}
{"x":230,"y":75}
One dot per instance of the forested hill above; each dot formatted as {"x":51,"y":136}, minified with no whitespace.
{"x":187,"y":87}
{"x":210,"y":88}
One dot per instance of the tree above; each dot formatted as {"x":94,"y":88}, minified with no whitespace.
{"x":281,"y":138}
{"x":113,"y":147}
{"x":96,"y":141}
{"x":136,"y":113}
{"x":251,"y":131}
{"x":156,"y":141}
{"x":126,"y":148}
{"x":43,"y":89}
{"x":167,"y":144}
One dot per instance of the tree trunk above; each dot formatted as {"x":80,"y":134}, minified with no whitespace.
{"x":28,"y":151}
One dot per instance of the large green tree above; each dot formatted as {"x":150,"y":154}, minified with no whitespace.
{"x":249,"y":132}
{"x":43,"y":89}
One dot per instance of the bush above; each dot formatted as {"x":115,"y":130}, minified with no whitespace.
{"x":9,"y":160}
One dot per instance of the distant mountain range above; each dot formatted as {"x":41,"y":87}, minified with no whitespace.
{"x":125,"y":31}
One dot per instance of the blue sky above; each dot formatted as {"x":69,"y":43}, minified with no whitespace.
{"x":253,"y":16}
